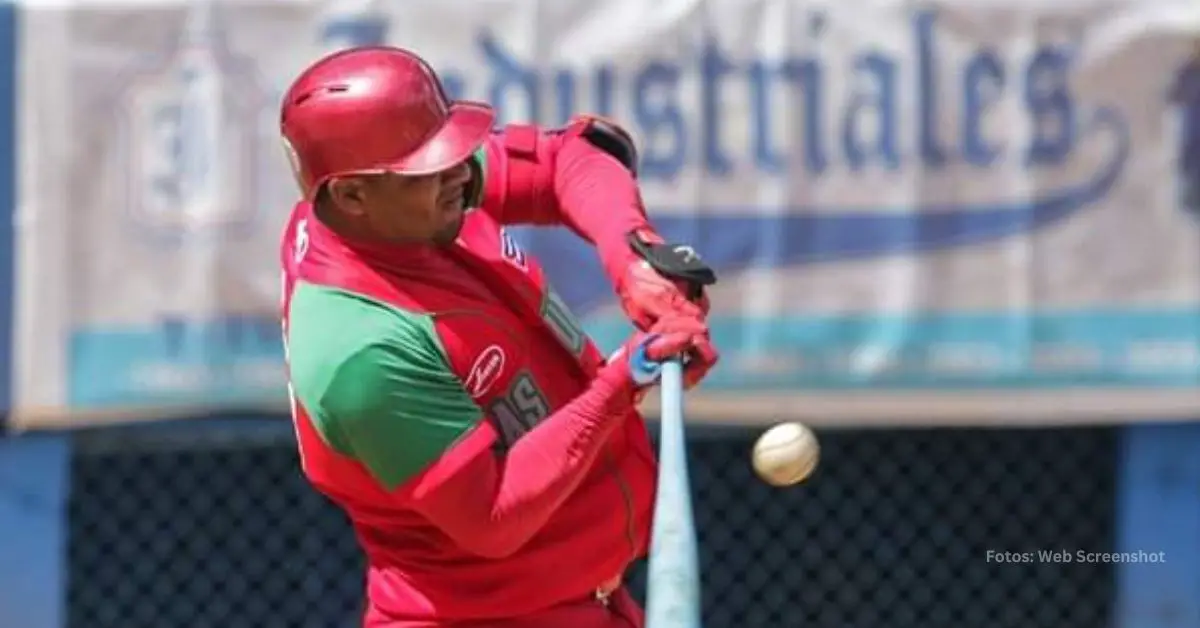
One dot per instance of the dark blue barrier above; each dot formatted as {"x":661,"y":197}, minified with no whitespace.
{"x":33,"y":495}
{"x":212,"y":525}
{"x":1158,"y":509}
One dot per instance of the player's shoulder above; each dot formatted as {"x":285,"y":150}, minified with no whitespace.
{"x":332,"y":330}
{"x":366,"y":372}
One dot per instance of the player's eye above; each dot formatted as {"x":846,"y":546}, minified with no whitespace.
{"x":413,"y":180}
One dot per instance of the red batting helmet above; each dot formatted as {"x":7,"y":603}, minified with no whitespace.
{"x":374,"y":110}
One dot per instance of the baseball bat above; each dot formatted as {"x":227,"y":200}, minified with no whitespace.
{"x":673,"y":586}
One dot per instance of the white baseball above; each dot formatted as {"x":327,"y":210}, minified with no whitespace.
{"x":786,"y":454}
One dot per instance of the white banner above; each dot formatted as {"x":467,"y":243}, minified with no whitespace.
{"x":969,"y":212}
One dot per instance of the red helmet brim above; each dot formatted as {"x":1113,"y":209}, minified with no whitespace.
{"x":466,"y":128}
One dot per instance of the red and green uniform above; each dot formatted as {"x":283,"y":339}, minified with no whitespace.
{"x":447,"y":400}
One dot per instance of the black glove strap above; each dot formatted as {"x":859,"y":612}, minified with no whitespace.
{"x":676,"y":261}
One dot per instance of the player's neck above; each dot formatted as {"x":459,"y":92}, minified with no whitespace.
{"x":362,"y":239}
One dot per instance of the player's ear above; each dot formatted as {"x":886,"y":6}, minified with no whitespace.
{"x":348,"y":194}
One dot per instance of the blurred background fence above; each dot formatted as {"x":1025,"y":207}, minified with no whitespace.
{"x":959,"y":238}
{"x":207,"y":526}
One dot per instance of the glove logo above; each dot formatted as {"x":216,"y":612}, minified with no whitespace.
{"x":485,"y":371}
{"x":686,"y":253}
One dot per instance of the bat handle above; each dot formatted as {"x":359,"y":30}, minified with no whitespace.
{"x":672,"y":388}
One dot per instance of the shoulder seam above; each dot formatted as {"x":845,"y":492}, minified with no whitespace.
{"x":358,"y":296}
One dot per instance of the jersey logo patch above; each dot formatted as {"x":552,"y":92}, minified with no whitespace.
{"x":511,"y":251}
{"x":485,"y":371}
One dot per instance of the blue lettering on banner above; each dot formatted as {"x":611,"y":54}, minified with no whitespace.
{"x":866,"y":131}
{"x":891,"y":121}
{"x":675,"y":139}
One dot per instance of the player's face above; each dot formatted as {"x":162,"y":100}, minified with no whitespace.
{"x":428,"y":207}
{"x":400,"y":208}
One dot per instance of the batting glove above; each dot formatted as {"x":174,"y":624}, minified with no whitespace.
{"x":664,"y":279}
{"x":672,"y":336}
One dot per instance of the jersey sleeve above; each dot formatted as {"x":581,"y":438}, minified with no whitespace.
{"x":537,"y":176}
{"x":375,"y":382}
{"x":379,"y":388}
{"x":396,"y":408}
{"x":518,"y":180}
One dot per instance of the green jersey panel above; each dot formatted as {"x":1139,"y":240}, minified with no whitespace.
{"x":376,"y":381}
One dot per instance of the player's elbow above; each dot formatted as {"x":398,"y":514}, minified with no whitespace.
{"x":494,"y":546}
{"x":483,"y":537}
{"x":609,"y":138}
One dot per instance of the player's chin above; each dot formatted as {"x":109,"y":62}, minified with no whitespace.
{"x":453,"y":226}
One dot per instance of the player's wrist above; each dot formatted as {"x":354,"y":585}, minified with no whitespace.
{"x":642,"y":369}
{"x":617,"y":380}
{"x":616,"y":256}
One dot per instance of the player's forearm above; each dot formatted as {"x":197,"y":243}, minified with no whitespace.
{"x":562,"y":178}
{"x":598,"y":198}
{"x":493,"y":505}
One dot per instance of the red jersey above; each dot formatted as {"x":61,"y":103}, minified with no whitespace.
{"x":415,"y":371}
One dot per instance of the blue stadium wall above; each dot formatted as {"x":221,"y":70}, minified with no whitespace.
{"x":208,"y":523}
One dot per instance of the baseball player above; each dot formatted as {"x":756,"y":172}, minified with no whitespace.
{"x":492,"y":462}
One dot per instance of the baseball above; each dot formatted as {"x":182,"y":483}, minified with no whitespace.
{"x":786,"y":454}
